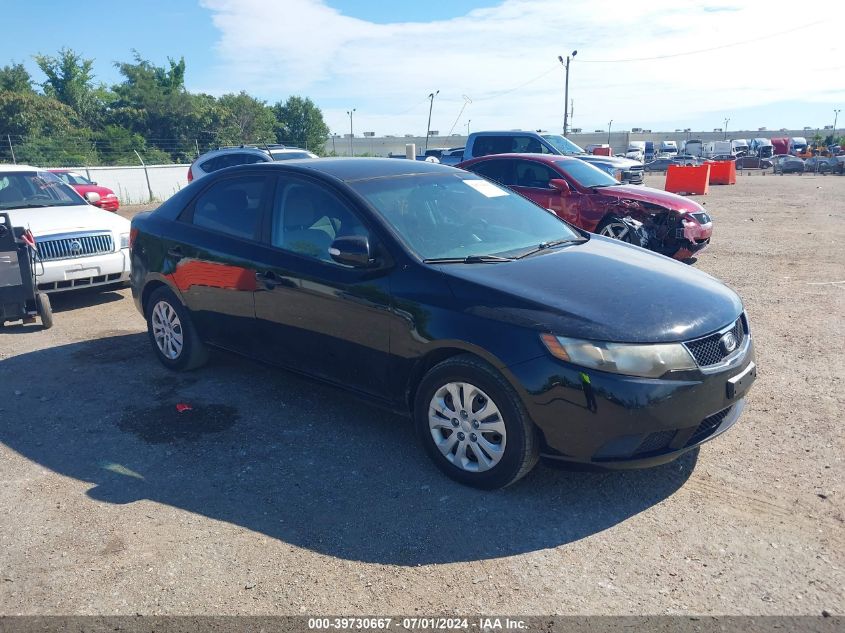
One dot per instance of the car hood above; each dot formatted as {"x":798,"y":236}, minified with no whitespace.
{"x":75,"y":219}
{"x":620,"y":163}
{"x":670,"y":201}
{"x":103,"y":191}
{"x":600,"y":290}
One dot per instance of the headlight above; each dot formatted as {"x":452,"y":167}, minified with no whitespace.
{"x":617,"y":173}
{"x":648,"y":361}
{"x":124,"y":240}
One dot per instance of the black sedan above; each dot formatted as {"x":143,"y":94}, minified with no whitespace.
{"x":441,"y":295}
{"x":787,"y":164}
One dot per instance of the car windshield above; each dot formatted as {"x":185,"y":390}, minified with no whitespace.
{"x":461,"y":215}
{"x":72,"y":178}
{"x":587,"y":175}
{"x":563,"y":144}
{"x":28,"y":190}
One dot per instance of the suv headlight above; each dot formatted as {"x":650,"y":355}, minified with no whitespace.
{"x":124,"y":240}
{"x":648,"y":361}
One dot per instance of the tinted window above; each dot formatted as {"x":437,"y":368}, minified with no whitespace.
{"x":497,"y":170}
{"x":534,"y":175}
{"x":231,"y":206}
{"x":457,"y":215}
{"x":290,"y":155}
{"x":230,"y":160}
{"x":307,"y":218}
{"x":587,"y":175}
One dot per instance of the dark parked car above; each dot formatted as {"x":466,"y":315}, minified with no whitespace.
{"x":820,"y":164}
{"x":787,"y":164}
{"x":453,"y":300}
{"x":662,"y":164}
{"x":753,"y":162}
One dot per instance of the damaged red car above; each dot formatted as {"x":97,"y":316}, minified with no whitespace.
{"x":589,"y":198}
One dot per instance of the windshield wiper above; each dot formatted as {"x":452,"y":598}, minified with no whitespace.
{"x":469,"y":259}
{"x":544,"y":246}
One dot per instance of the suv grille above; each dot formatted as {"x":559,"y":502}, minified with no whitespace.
{"x":73,"y":246}
{"x":709,"y":351}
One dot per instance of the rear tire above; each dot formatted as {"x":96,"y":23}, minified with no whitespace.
{"x":45,"y":310}
{"x":172,"y":333}
{"x":491,"y":451}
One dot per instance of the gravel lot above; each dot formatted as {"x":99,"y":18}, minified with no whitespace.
{"x":277,"y":495}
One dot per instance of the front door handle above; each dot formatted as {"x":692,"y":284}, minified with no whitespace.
{"x":175,"y":253}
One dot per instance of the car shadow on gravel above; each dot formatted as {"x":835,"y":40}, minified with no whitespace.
{"x":287,"y":457}
{"x":87,"y":298}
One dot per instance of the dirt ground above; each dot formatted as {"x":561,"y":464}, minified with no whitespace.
{"x":277,"y":495}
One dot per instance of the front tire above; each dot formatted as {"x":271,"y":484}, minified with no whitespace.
{"x":172,"y":333}
{"x":473,"y":424}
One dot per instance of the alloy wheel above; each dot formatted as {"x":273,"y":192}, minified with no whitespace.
{"x":615,"y":230}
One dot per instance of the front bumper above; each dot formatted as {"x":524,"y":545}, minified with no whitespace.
{"x":627,"y":422}
{"x":82,"y":272}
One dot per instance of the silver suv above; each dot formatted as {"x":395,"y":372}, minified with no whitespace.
{"x":243,"y":155}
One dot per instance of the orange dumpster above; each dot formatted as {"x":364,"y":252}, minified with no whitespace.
{"x":723,"y":172}
{"x":688,"y":180}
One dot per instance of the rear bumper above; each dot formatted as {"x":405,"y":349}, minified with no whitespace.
{"x":70,"y":274}
{"x":627,"y":422}
{"x":109,"y":203}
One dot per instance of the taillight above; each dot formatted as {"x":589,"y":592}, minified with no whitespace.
{"x":133,"y":233}
{"x":190,"y":173}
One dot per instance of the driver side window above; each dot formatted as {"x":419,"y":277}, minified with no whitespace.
{"x":307,"y":218}
{"x":533,"y":175}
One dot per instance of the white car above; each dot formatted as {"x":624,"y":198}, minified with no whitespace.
{"x":243,"y":155}
{"x":79,"y":245}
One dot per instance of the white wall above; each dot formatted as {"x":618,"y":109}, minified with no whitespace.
{"x":130,"y":184}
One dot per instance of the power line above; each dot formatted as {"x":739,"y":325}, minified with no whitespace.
{"x":702,"y":50}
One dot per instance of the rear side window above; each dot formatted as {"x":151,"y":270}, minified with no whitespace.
{"x":232,"y":206}
{"x":500,"y":171}
{"x":230,"y":160}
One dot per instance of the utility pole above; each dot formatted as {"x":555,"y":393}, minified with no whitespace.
{"x":608,"y":131}
{"x":351,"y":132}
{"x":726,"y":128}
{"x":835,"y":119}
{"x":566,"y":90}
{"x":430,"y":107}
{"x":468,"y":122}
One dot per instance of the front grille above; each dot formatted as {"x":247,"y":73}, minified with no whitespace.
{"x":708,"y":350}
{"x":73,"y":246}
{"x":708,"y":426}
{"x":654,"y":442}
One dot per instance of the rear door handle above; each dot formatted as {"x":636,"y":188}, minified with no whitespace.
{"x":175,"y":253}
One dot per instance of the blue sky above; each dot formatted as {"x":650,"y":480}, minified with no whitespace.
{"x":494,"y":61}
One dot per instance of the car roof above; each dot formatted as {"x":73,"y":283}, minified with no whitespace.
{"x":351,"y":169}
{"x":20,"y":168}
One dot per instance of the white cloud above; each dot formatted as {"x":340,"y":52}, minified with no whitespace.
{"x":274,"y":48}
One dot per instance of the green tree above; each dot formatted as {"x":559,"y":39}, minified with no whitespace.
{"x":70,"y":80}
{"x":300,"y":121}
{"x":31,"y":114}
{"x":246,"y":120}
{"x":15,"y":78}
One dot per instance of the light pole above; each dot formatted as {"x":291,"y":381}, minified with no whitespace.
{"x":566,"y":91}
{"x":608,"y":130}
{"x":430,"y":107}
{"x":468,"y":122}
{"x":835,"y":118}
{"x":726,"y":128}
{"x":351,"y":133}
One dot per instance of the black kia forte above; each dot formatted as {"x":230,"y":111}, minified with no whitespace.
{"x":505,"y":333}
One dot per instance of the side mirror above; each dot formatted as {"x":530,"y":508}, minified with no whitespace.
{"x":560,"y":184}
{"x":352,"y":250}
{"x":92,"y":197}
